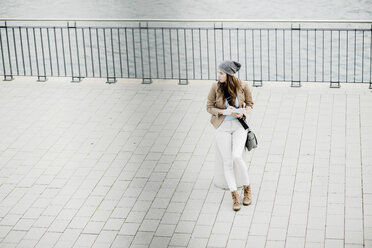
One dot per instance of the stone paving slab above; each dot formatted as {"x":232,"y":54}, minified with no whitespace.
{"x":92,"y":164}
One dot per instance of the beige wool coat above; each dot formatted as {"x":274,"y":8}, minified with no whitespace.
{"x":215,"y":102}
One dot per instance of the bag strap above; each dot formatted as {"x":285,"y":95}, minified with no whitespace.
{"x":228,"y":98}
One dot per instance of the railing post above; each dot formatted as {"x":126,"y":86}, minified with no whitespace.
{"x":74,"y":79}
{"x":42,"y":78}
{"x":257,"y":83}
{"x":370,"y":56}
{"x":295,"y":83}
{"x":6,"y":76}
{"x":215,"y":47}
{"x":334,"y":84}
{"x":183,"y":81}
{"x":145,"y":80}
{"x":111,"y":80}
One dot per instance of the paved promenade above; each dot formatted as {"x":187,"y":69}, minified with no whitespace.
{"x":122,"y":165}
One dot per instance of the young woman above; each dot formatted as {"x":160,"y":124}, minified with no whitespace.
{"x":230,"y":134}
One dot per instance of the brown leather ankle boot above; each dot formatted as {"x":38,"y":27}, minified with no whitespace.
{"x":236,"y":200}
{"x":247,"y":200}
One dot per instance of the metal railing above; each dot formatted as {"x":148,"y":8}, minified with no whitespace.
{"x":269,"y":50}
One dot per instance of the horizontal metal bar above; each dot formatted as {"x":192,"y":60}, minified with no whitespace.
{"x":197,"y":28}
{"x":188,"y":20}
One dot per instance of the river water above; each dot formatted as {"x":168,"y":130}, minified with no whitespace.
{"x":184,"y":9}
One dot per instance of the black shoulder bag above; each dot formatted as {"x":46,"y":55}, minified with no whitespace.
{"x":251,"y":141}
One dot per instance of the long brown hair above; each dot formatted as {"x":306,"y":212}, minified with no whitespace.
{"x":233,"y":85}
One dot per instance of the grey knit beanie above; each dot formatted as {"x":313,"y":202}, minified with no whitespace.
{"x":229,"y":66}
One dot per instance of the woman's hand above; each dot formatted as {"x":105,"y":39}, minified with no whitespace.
{"x":237,"y":115}
{"x":221,"y":110}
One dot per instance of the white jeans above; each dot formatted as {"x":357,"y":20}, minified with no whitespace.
{"x":230,"y":139}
